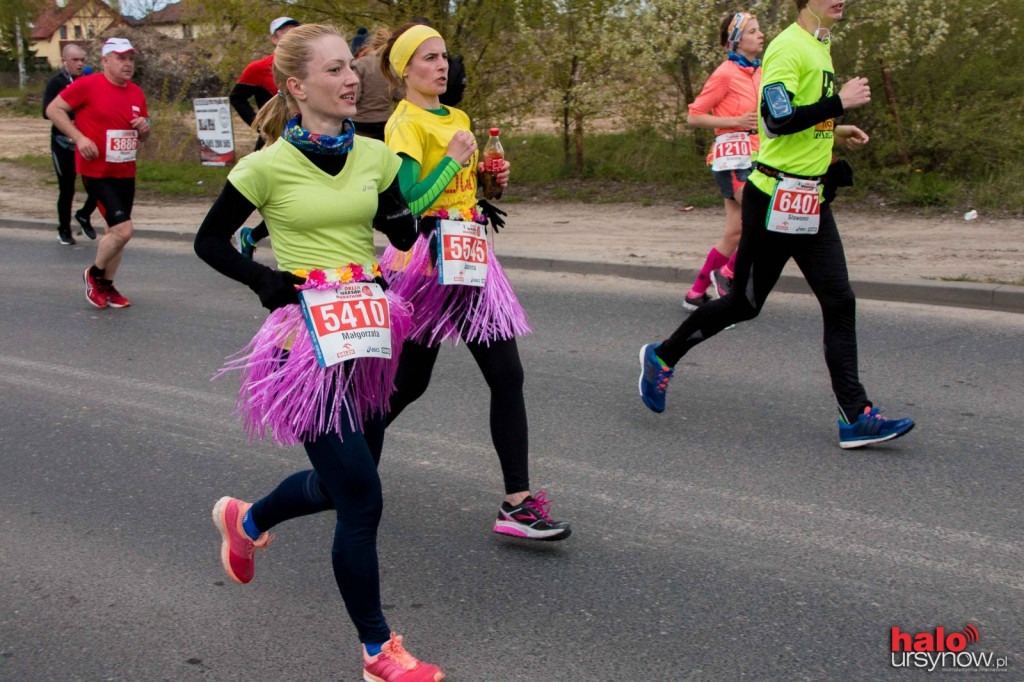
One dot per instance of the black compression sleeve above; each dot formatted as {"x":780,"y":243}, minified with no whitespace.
{"x":53,"y":88}
{"x":802,"y":117}
{"x":213,"y":240}
{"x":394,"y":218}
{"x":239,"y":98}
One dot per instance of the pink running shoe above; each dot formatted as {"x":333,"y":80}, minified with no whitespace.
{"x":531,"y":520}
{"x":237,"y":550}
{"x":395,"y":664}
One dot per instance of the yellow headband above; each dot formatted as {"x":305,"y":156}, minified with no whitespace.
{"x":404,"y":48}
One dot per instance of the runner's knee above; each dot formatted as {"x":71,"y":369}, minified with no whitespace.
{"x":505,"y":376}
{"x":838,"y":303}
{"x":123,"y":232}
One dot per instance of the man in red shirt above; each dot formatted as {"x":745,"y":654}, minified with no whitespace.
{"x":110,"y":118}
{"x":257,"y":82}
{"x":257,"y":79}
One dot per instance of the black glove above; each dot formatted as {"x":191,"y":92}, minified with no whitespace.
{"x":493,"y":214}
{"x":426,"y":225}
{"x":276,"y":288}
{"x":839,"y":174}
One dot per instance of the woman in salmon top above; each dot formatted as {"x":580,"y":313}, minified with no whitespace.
{"x":728,"y":104}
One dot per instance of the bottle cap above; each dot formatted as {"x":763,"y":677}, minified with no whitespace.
{"x":494,"y":132}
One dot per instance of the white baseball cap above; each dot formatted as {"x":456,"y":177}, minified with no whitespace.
{"x":118,"y":46}
{"x":282,"y":21}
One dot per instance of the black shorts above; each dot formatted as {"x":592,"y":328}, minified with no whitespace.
{"x":731,"y":180}
{"x":114,"y":196}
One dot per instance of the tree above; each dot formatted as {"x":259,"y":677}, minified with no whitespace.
{"x":15,"y":18}
{"x":889,"y":34}
{"x":680,"y":40}
{"x":579,"y":47}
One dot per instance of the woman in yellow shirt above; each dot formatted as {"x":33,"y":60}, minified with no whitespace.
{"x":438,"y":177}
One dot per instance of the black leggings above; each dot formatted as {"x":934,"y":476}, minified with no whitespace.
{"x":759,"y":262}
{"x":344,"y":478}
{"x":64,"y":165}
{"x":503,"y":371}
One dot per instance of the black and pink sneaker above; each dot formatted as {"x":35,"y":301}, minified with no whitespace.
{"x":531,"y":520}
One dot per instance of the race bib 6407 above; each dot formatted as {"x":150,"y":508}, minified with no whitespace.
{"x":795,"y":208}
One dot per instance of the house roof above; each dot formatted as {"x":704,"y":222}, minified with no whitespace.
{"x":172,"y":14}
{"x":53,"y":17}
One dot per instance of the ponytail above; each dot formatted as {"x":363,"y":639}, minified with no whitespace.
{"x":291,"y":60}
{"x":272,"y":118}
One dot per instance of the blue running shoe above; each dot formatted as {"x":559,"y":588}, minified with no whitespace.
{"x":246,"y":246}
{"x":871,"y":427}
{"x":654,"y":377}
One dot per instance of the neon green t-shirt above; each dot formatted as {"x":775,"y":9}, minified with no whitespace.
{"x":803,"y":64}
{"x":423,"y":137}
{"x":317,"y":221}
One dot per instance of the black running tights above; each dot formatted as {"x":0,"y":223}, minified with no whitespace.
{"x":503,"y":371}
{"x":759,"y":262}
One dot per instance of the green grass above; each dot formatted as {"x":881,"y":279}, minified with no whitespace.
{"x":163,"y":178}
{"x":628,"y":167}
{"x":618,"y":167}
{"x":983,"y":280}
{"x":180,"y":179}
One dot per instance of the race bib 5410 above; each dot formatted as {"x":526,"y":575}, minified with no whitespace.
{"x":353,"y":321}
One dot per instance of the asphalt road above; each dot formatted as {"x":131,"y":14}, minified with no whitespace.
{"x":729,"y":538}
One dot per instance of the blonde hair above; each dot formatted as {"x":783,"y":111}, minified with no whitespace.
{"x":291,"y":60}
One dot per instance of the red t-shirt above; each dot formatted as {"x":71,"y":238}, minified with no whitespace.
{"x":261,"y":74}
{"x":103,"y":112}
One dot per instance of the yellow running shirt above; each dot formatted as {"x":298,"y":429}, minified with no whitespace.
{"x":424,"y":137}
{"x":803,"y":64}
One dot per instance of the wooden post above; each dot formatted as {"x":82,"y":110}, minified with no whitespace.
{"x":890,"y":98}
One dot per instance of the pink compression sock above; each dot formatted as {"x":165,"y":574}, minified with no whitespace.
{"x":729,"y":269}
{"x":714,"y":260}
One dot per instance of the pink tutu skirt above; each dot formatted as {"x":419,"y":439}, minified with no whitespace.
{"x":283,"y":388}
{"x":449,"y":312}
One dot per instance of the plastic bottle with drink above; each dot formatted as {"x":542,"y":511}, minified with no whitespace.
{"x":493,"y":159}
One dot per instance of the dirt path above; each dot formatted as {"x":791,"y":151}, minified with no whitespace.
{"x":886,"y":245}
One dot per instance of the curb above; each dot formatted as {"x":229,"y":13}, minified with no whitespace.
{"x":996,"y":297}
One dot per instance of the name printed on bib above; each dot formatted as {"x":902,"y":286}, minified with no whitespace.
{"x":731,"y":151}
{"x":462,"y":253}
{"x":352,"y":321}
{"x":122,"y":145}
{"x":795,"y":207}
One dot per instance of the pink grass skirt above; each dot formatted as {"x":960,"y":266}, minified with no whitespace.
{"x":446,"y":312}
{"x":288,"y":393}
